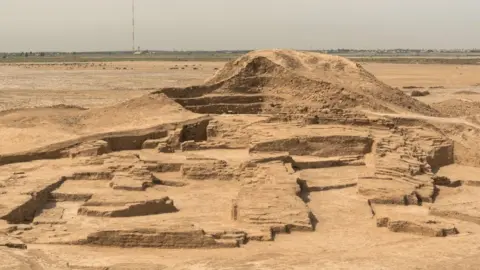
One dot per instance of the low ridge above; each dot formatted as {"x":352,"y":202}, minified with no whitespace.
{"x":25,"y":129}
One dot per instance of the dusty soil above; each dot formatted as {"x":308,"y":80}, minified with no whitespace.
{"x":92,"y":84}
{"x":242,"y":170}
{"x":448,"y":76}
{"x":294,"y":82}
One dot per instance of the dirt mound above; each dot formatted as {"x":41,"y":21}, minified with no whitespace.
{"x":24,"y":129}
{"x":278,"y":61}
{"x":305,"y":81}
{"x":132,"y":113}
{"x":458,"y":107}
{"x":135,"y":113}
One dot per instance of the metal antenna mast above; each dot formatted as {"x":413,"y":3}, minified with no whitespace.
{"x":133,"y":26}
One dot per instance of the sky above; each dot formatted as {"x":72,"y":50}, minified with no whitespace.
{"x":105,"y":25}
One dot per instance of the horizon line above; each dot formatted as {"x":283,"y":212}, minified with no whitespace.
{"x":246,"y":50}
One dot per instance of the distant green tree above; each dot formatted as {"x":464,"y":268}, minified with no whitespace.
{"x":42,"y":54}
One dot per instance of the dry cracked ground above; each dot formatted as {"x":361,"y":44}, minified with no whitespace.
{"x":282,"y":160}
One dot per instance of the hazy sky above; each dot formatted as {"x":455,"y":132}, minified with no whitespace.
{"x":83,"y":25}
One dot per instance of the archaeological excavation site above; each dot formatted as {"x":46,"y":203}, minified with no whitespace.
{"x":278,"y":151}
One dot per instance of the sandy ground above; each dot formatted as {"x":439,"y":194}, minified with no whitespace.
{"x":449,"y":76}
{"x":346,"y":237}
{"x":90,"y":85}
{"x":32,"y":85}
{"x":96,"y":76}
{"x":455,"y":79}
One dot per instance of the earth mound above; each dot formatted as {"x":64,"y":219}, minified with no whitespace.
{"x":293,"y":81}
{"x":32,"y":128}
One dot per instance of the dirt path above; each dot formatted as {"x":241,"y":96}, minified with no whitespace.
{"x":442,"y":120}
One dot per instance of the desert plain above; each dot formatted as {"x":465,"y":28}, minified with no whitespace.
{"x":276,"y":160}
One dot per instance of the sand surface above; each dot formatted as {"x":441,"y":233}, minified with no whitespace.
{"x":102,"y":171}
